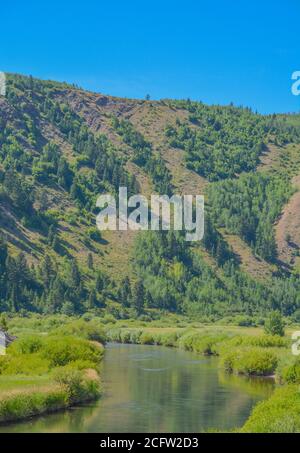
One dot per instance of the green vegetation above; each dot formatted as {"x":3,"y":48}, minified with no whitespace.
{"x":291,"y":373}
{"x":250,"y":362}
{"x":279,"y":414}
{"x":65,"y":285}
{"x":144,"y":157}
{"x":274,"y":324}
{"x":53,"y":165}
{"x":248,"y":206}
{"x":44,"y":364}
{"x":257,"y":355}
{"x":251,"y":355}
{"x":177,"y":278}
{"x":228,"y":140}
{"x":47,"y":373}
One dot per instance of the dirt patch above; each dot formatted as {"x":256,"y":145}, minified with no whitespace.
{"x":250,"y":263}
{"x":287,"y":230}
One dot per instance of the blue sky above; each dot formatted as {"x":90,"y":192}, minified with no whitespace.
{"x":217,"y":51}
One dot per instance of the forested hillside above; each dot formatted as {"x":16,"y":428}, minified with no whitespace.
{"x":60,"y":147}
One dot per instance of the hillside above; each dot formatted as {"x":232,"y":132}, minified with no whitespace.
{"x":61,"y":146}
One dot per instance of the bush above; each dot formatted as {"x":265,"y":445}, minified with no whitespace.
{"x":263,"y":341}
{"x":274,"y":324}
{"x":244,"y":321}
{"x":27,"y":364}
{"x":62,"y":350}
{"x":23,"y":405}
{"x":90,"y":330}
{"x":168,"y":339}
{"x":279,"y":414}
{"x":71,"y":380}
{"x":257,"y":362}
{"x":114,"y":335}
{"x":146,"y":338}
{"x":202,"y":343}
{"x":77,"y":385}
{"x":94,"y":234}
{"x":125,"y":336}
{"x":135,"y":336}
{"x":82,"y":365}
{"x":26,"y":345}
{"x":291,"y":374}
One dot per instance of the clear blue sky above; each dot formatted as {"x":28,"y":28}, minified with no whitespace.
{"x":216,"y":51}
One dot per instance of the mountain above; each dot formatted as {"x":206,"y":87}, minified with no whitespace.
{"x":61,"y":146}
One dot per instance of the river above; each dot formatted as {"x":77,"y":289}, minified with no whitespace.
{"x":158,"y":389}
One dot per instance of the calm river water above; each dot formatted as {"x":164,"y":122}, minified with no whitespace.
{"x":158,"y":389}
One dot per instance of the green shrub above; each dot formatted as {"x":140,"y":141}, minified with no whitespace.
{"x":26,"y":345}
{"x":135,"y":336}
{"x":244,"y":321}
{"x":71,"y":380}
{"x":167,"y":339}
{"x":78,"y":387}
{"x":279,"y":414}
{"x":27,"y":364}
{"x":201,"y":343}
{"x":23,"y":405}
{"x":62,"y":350}
{"x":291,"y":374}
{"x":81,"y":365}
{"x":274,"y":325}
{"x":125,"y":336}
{"x":94,"y":234}
{"x":114,"y":335}
{"x":263,"y":341}
{"x":255,"y":361}
{"x":90,"y":330}
{"x":146,"y":338}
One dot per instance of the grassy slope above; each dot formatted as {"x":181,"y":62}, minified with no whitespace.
{"x":150,"y":118}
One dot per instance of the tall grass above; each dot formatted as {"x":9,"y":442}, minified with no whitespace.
{"x":68,"y":363}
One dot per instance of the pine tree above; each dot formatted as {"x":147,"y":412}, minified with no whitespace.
{"x":51,"y":234}
{"x":138,"y":297}
{"x":47,"y":272}
{"x":124,"y":292}
{"x":99,"y":282}
{"x":90,"y":262}
{"x":92,"y":300}
{"x":3,"y":254}
{"x":75,"y":277}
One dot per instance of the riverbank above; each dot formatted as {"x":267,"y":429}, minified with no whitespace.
{"x":157,"y":389}
{"x":42,"y":375}
{"x":260,"y":355}
{"x":241,"y":351}
{"x":248,"y":355}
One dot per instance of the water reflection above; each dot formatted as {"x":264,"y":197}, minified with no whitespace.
{"x":157,"y":389}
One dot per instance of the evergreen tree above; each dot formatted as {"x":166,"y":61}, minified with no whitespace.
{"x":75,"y":277}
{"x":138,"y":296}
{"x":92,"y":300}
{"x":124,"y":292}
{"x":274,"y":324}
{"x":90,"y":262}
{"x":47,"y":271}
